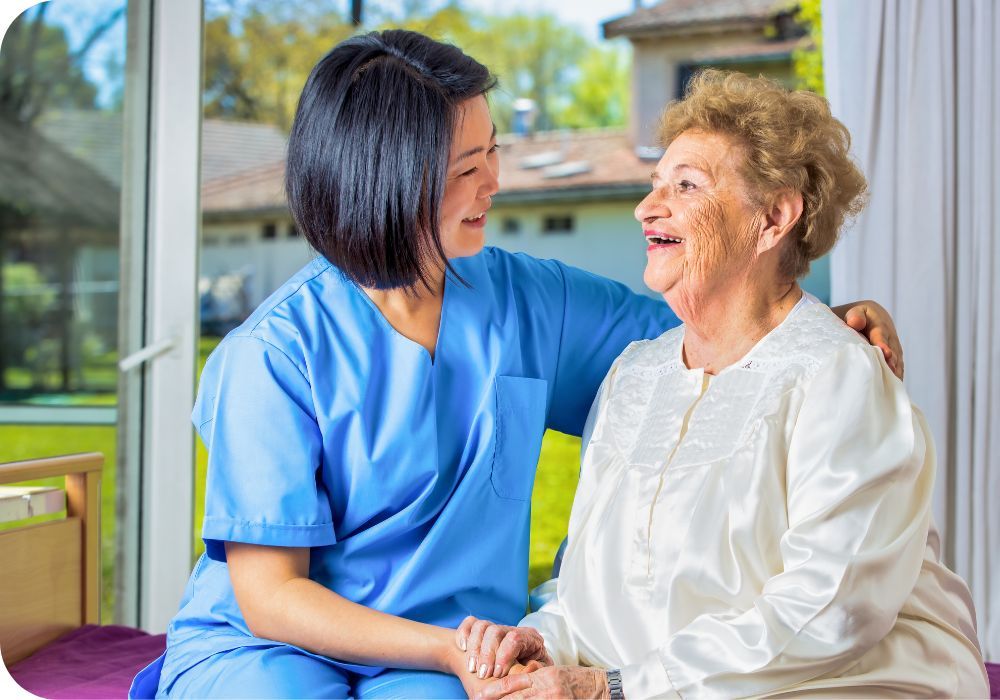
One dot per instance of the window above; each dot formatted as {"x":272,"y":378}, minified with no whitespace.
{"x":61,"y":131}
{"x":685,"y":73}
{"x":558,"y":224}
{"x":269,"y":231}
{"x":510,"y":225}
{"x":292,"y":231}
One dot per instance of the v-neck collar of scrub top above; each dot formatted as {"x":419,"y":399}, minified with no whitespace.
{"x":447,"y":292}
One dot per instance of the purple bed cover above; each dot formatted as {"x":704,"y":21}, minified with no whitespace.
{"x":90,"y":662}
{"x":100,"y":662}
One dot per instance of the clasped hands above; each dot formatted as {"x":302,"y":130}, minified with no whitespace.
{"x":512,"y":662}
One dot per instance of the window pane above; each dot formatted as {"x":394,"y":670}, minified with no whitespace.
{"x":61,"y":90}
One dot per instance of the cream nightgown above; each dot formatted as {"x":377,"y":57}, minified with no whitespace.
{"x":764,"y":532}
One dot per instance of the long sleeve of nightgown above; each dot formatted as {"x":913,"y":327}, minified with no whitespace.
{"x":859,"y":474}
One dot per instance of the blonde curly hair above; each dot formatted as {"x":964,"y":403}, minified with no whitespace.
{"x":790,"y":140}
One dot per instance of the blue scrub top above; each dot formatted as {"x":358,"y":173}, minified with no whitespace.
{"x":410,"y":479}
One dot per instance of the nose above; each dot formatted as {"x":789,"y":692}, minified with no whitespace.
{"x":491,"y":181}
{"x":651,"y":208}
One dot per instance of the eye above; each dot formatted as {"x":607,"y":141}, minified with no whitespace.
{"x":470,"y":171}
{"x":685,"y":185}
{"x":496,"y":147}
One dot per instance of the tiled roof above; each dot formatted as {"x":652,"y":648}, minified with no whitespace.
{"x":259,"y":189}
{"x":92,"y":136}
{"x":243,"y":164}
{"x":599,"y":163}
{"x":228,"y":147}
{"x":669,"y":14}
{"x":606,"y":159}
{"x":42,"y":182}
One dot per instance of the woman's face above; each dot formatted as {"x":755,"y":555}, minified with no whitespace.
{"x":473,"y":170}
{"x":700,"y":228}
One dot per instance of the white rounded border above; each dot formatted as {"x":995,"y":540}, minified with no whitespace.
{"x":11,"y":10}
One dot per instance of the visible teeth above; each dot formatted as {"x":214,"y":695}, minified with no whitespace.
{"x":475,"y":218}
{"x":655,"y":240}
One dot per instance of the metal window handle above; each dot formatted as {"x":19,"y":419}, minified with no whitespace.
{"x":147,"y":353}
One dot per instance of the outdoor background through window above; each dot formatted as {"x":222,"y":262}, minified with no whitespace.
{"x":62,"y":69}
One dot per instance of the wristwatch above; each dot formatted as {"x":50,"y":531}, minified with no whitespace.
{"x":615,"y":684}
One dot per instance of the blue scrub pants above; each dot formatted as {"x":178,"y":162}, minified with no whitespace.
{"x":284,"y":672}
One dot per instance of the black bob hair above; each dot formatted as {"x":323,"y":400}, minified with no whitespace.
{"x":368,"y":153}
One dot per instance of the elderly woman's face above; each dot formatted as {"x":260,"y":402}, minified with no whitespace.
{"x":699,"y":225}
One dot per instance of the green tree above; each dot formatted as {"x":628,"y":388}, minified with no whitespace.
{"x":258,"y":56}
{"x":599,"y":97}
{"x":808,"y":61}
{"x":39,"y":71}
{"x":533,"y":56}
{"x":27,"y":304}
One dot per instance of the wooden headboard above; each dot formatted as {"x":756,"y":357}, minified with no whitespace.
{"x":50,"y":571}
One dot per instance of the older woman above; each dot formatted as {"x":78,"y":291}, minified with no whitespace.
{"x":753,"y":515}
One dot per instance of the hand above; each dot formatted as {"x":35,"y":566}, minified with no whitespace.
{"x":875,"y":323}
{"x":550,"y":682}
{"x":455,"y":663}
{"x":493,"y":649}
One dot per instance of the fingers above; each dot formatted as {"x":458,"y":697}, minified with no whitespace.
{"x":492,"y":638}
{"x":462,"y":632}
{"x":885,"y":340}
{"x":493,"y":650}
{"x":857,"y":318}
{"x":893,"y":352}
{"x":507,"y":654}
{"x":474,"y":643}
{"x":519,"y":644}
{"x":505,"y":686}
{"x":875,"y":323}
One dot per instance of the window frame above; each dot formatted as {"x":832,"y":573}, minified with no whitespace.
{"x":161,"y":225}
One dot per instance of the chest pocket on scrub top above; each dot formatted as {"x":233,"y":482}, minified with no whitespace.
{"x":520,"y":424}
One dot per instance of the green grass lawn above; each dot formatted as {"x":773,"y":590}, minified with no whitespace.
{"x":550,"y":503}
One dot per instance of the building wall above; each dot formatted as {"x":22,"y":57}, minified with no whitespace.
{"x":241,"y":248}
{"x":655,"y":72}
{"x":605,"y":240}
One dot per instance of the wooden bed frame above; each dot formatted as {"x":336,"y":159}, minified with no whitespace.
{"x":51,"y":574}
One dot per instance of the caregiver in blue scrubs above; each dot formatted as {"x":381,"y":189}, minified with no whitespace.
{"x":373,"y":428}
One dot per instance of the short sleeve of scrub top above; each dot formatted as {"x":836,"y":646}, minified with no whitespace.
{"x":255,"y":416}
{"x":599,"y":318}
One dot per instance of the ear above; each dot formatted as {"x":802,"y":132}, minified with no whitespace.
{"x":780,"y":218}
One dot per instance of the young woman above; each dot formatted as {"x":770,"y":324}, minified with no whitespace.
{"x":373,"y":428}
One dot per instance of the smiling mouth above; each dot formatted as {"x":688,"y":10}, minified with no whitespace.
{"x":662,"y":240}
{"x":473,"y":219}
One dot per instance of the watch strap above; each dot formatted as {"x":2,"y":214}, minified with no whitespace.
{"x":615,"y":684}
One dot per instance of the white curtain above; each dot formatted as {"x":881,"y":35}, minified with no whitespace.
{"x":917,"y":82}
